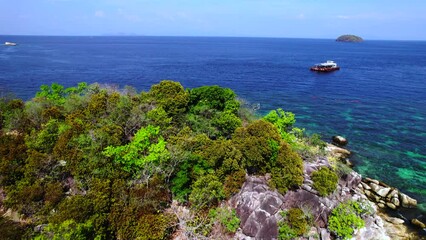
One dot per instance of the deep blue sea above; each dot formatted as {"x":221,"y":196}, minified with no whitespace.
{"x":377,"y":100}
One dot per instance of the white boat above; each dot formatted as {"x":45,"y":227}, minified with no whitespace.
{"x":325,"y":67}
{"x":10,"y":44}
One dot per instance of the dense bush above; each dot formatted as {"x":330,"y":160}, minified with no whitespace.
{"x":325,"y":181}
{"x":345,"y":219}
{"x":295,"y":223}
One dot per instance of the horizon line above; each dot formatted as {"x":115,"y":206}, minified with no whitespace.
{"x":198,"y":36}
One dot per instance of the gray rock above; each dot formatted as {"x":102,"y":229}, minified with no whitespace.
{"x":391,"y":205}
{"x":383,"y":192}
{"x":395,"y":220}
{"x":368,"y":193}
{"x":374,"y":187}
{"x":395,"y":201}
{"x":370,"y":180}
{"x":406,"y":201}
{"x":393,"y":193}
{"x":381,"y":205}
{"x":365,"y":186}
{"x":256,"y":205}
{"x":325,"y":235}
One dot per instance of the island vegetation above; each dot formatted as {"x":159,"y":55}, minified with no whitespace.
{"x":99,"y":162}
{"x":349,"y":38}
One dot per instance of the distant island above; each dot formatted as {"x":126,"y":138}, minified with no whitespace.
{"x":349,"y":38}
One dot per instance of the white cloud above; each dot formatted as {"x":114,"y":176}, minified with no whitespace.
{"x":99,"y":13}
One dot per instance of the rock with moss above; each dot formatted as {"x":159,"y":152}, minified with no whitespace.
{"x":349,"y":38}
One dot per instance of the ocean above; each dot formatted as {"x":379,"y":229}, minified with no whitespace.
{"x":377,"y":100}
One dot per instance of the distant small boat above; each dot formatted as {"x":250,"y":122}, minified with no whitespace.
{"x":10,"y":44}
{"x":328,"y":66}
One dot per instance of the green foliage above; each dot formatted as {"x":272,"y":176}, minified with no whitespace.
{"x":287,"y":171}
{"x":155,"y":226}
{"x":206,"y":191}
{"x":345,"y":219}
{"x":12,"y":158}
{"x":254,"y":143}
{"x":170,"y":96}
{"x":213,"y":110}
{"x":214,"y":97}
{"x":284,"y":121}
{"x":143,"y":149}
{"x":11,"y":230}
{"x":234,"y":182}
{"x":325,"y":181}
{"x":315,"y":140}
{"x":295,"y":223}
{"x":227,"y":218}
{"x":285,"y":232}
{"x":56,"y":93}
{"x":68,"y":229}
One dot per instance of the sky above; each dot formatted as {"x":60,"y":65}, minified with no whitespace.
{"x":370,"y":19}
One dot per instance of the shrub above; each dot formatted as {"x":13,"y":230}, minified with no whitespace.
{"x":234,"y":181}
{"x":206,"y":191}
{"x":345,"y":218}
{"x":325,"y":181}
{"x":295,"y":223}
{"x":227,"y":218}
{"x":287,"y":171}
{"x":69,"y":229}
{"x":155,"y":226}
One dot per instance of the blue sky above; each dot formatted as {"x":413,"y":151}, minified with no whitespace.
{"x":371,"y":19}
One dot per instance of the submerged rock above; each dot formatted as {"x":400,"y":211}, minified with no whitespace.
{"x":418,"y":223}
{"x":339,"y":141}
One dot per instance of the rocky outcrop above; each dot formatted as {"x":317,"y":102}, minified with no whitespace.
{"x":384,"y":195}
{"x":396,"y":228}
{"x":258,"y":206}
{"x":337,"y":152}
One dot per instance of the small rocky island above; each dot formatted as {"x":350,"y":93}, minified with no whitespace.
{"x":349,"y":38}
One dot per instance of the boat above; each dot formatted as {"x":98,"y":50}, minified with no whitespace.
{"x":328,"y":66}
{"x":10,"y":44}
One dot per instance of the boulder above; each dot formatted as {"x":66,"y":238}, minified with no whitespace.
{"x":339,"y":140}
{"x":395,"y":201}
{"x":391,"y":205}
{"x":325,"y":235}
{"x":383,"y":192}
{"x":256,"y":206}
{"x":394,"y":220}
{"x":370,"y":180}
{"x":374,"y":187}
{"x":338,"y":152}
{"x":406,"y":201}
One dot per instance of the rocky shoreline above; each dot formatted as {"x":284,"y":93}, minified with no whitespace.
{"x":258,"y":206}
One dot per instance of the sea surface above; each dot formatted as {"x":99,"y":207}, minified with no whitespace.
{"x":377,"y":100}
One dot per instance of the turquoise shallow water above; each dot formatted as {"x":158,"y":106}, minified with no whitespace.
{"x":377,"y":100}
